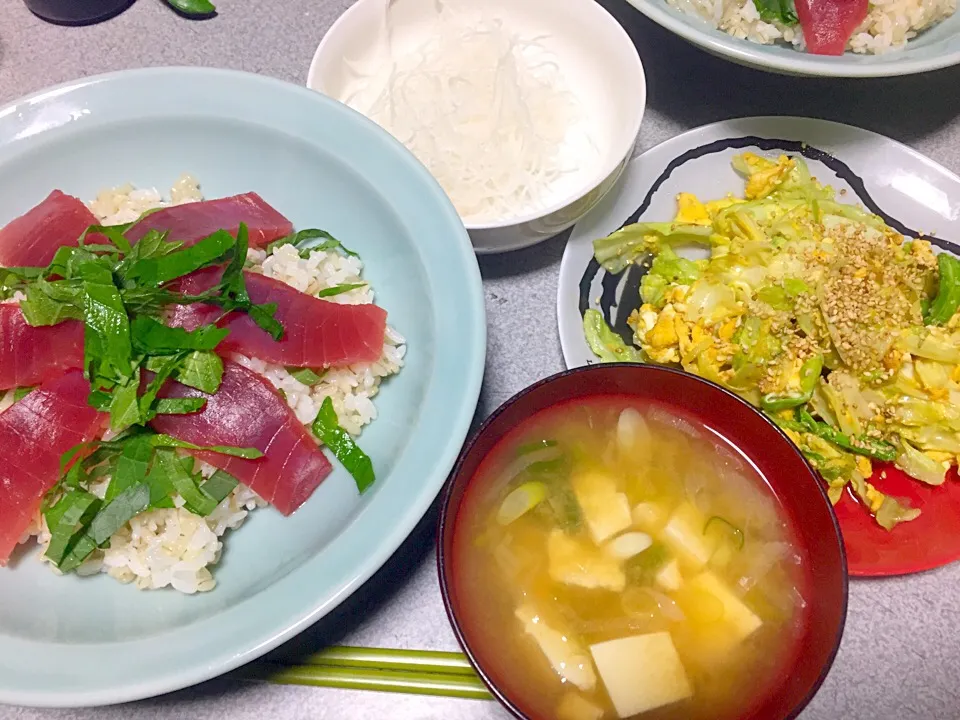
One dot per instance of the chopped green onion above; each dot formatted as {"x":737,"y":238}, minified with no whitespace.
{"x":728,"y":528}
{"x":642,"y":568}
{"x":521,"y":501}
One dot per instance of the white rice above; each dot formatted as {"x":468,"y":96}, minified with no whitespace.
{"x":888,"y":26}
{"x":123,"y":204}
{"x":173,"y":547}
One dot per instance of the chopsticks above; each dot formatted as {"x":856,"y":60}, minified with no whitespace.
{"x":420,"y":672}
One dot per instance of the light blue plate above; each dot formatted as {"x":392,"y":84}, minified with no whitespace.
{"x":936,"y":48}
{"x":85,"y":641}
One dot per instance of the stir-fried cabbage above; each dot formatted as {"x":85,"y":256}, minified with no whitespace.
{"x":667,"y":269}
{"x":814,"y":310}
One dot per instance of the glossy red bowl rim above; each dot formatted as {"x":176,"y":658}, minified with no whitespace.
{"x":445,"y":521}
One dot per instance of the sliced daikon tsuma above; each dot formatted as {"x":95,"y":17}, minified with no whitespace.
{"x":641,"y":672}
{"x":605,"y":509}
{"x":564,"y":653}
{"x":577,"y":562}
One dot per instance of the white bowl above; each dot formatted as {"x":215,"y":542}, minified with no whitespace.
{"x":595,"y":55}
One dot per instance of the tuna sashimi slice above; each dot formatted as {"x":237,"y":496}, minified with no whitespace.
{"x":34,"y":434}
{"x":828,"y":24}
{"x":194,"y":221}
{"x":32,"y":239}
{"x":248,"y":412}
{"x":317,"y":333}
{"x":30,"y":355}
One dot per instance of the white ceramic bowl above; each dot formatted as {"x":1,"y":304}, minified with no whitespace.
{"x":595,"y":55}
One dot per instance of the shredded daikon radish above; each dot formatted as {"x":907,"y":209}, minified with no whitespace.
{"x":486,"y":111}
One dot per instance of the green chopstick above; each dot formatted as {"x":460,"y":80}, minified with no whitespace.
{"x":432,"y":661}
{"x":420,"y":672}
{"x":398,"y":681}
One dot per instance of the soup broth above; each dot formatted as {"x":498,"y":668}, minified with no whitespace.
{"x":626,"y":562}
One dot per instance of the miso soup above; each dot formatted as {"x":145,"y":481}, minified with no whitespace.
{"x":626,"y":562}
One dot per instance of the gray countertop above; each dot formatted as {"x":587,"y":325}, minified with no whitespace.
{"x":900,"y":656}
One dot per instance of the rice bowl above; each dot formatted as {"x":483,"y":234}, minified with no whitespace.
{"x":888,"y":26}
{"x":70,"y":642}
{"x":173,"y":546}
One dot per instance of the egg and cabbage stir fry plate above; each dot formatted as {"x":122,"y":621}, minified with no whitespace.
{"x":814,"y":310}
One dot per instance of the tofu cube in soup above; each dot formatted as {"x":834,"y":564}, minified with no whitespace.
{"x":669,"y":577}
{"x":723,"y":619}
{"x":684,"y":534}
{"x":564,"y":653}
{"x":605,"y":509}
{"x":641,"y":672}
{"x":650,"y":517}
{"x":573,"y":561}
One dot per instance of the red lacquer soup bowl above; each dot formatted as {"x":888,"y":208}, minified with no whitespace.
{"x":777,"y":462}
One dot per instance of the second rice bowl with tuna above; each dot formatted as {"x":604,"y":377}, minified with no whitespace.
{"x":824,"y":27}
{"x":169,"y":543}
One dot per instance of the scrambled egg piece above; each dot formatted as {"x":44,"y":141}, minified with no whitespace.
{"x":656,"y":332}
{"x":715,"y":206}
{"x":944,"y":458}
{"x":691,"y":211}
{"x":663,"y":333}
{"x":677,"y":294}
{"x":765,"y":175}
{"x":874,"y":498}
{"x":727,"y":330}
{"x":864,"y":466}
{"x":894,"y":359}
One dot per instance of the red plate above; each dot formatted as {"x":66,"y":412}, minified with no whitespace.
{"x":930,"y":541}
